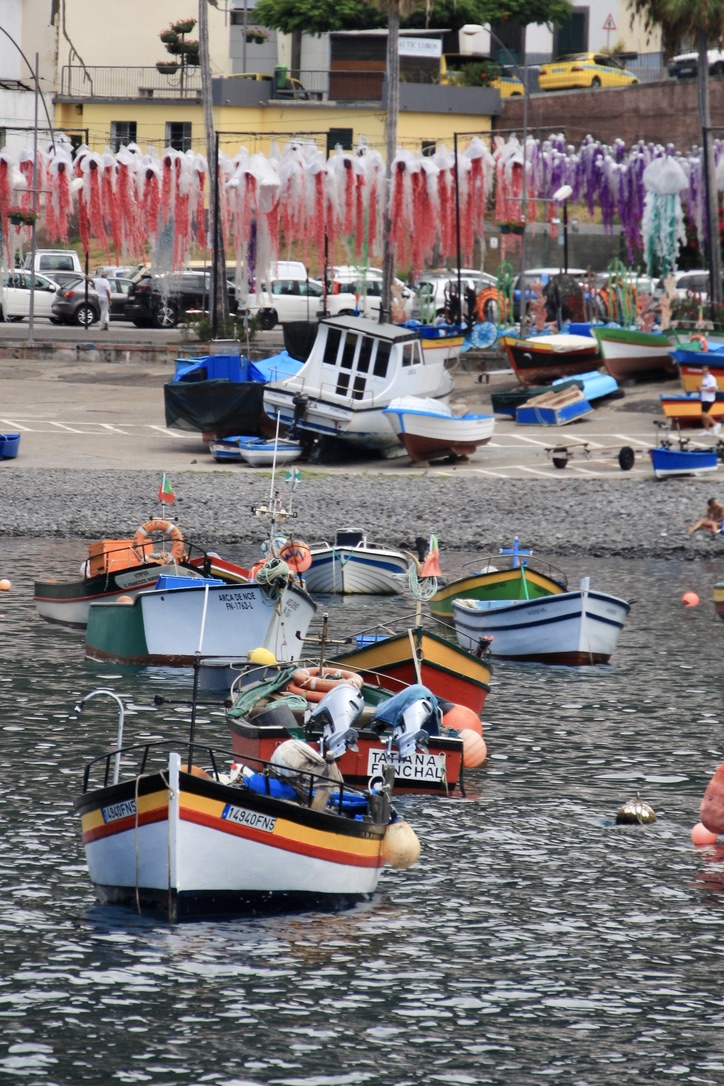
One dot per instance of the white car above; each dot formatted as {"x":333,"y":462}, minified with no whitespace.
{"x":296,"y":300}
{"x":15,"y":295}
{"x":366,"y":289}
{"x":686,"y":65}
{"x":433,"y":289}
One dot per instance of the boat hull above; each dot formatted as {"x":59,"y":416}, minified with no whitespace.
{"x":538,"y":360}
{"x":9,"y":446}
{"x":573,"y":628}
{"x":427,"y":435}
{"x":419,"y":656}
{"x":356,"y":571}
{"x":686,"y":410}
{"x":193,"y":846}
{"x":666,"y":462}
{"x":505,"y":584}
{"x":719,"y":600}
{"x":629,"y":354}
{"x":169,"y":627}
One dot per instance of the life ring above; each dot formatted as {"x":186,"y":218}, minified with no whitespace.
{"x":488,"y":300}
{"x":313,"y":683}
{"x":172,"y":533}
{"x":255,"y":569}
{"x":702,"y":340}
{"x":297,"y":555}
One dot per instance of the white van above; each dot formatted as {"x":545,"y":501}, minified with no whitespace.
{"x":296,"y":300}
{"x":60,"y":265}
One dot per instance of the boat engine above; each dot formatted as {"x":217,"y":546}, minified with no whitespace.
{"x":413,"y":715}
{"x":337,"y":713}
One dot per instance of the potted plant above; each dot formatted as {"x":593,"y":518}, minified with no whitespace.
{"x":167,"y":67}
{"x":183,"y":26}
{"x":190,"y":47}
{"x":256,"y":34}
{"x":168,"y":36}
{"x":22,"y":216}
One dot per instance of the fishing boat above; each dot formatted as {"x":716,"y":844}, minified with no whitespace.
{"x":537,"y":360}
{"x":629,"y":353}
{"x":181,"y":619}
{"x":685,"y":410}
{"x":429,"y":430}
{"x":553,"y":408}
{"x":365,"y":723}
{"x":162,"y":835}
{"x":510,"y":574}
{"x":692,"y":354}
{"x":356,"y":368}
{"x":9,"y":446}
{"x":682,"y":461}
{"x":220,"y":395}
{"x":256,"y":451}
{"x":353,"y":565}
{"x":125,"y":567}
{"x":719,"y":600}
{"x":417,"y":655}
{"x":573,"y":628}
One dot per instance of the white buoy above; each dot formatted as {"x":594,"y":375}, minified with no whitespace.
{"x":400,"y":846}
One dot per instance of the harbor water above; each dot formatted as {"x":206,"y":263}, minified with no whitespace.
{"x":535,"y":940}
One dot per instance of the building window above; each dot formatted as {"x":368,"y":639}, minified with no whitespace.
{"x":428,"y":148}
{"x":339,"y":137}
{"x":178,"y":135}
{"x":122,"y":133}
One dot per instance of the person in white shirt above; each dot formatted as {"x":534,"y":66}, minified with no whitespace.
{"x":708,"y":389}
{"x":103,"y":290}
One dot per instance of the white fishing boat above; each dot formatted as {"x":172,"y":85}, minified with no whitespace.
{"x":354,"y":565}
{"x":256,"y":451}
{"x":429,"y":430}
{"x":356,"y":368}
{"x":573,"y":628}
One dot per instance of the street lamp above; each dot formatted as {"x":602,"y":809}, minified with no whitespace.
{"x":562,"y":196}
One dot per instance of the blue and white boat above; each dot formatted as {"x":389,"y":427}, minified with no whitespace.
{"x":257,"y":451}
{"x":429,"y":430}
{"x":9,"y":446}
{"x":668,"y":462}
{"x":352,"y":565}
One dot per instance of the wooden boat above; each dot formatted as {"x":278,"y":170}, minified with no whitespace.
{"x":353,"y":565}
{"x":182,"y":618}
{"x":358,"y":723}
{"x":691,"y":355}
{"x":220,"y":395}
{"x":682,"y":461}
{"x":574,"y":628}
{"x":507,"y":401}
{"x":629,"y":353}
{"x":429,"y":430}
{"x":166,"y":836}
{"x":421,"y":656}
{"x":354,"y":371}
{"x":537,"y":360}
{"x":553,"y":408}
{"x":256,"y":451}
{"x":685,"y":410}
{"x":511,"y":574}
{"x":125,"y":567}
{"x":9,"y":446}
{"x":719,"y":600}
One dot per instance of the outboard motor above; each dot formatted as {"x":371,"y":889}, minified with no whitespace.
{"x":337,"y":713}
{"x":413,"y":715}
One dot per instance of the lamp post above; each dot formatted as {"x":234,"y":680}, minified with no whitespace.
{"x":562,"y":196}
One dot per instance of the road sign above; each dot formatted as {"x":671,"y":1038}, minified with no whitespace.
{"x":610,"y":23}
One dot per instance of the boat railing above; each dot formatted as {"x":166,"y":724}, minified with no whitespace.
{"x":143,"y":759}
{"x":494,"y":562}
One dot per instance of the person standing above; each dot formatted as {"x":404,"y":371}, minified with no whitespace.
{"x":103,"y":290}
{"x":708,"y":389}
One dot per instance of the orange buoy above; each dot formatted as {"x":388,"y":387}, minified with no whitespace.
{"x":711,"y":809}
{"x":700,"y":835}
{"x":125,"y":599}
{"x":690,"y":599}
{"x":297,"y":555}
{"x":5,"y":585}
{"x":475,"y":750}
{"x":459,"y":717}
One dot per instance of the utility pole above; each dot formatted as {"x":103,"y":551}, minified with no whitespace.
{"x":218,"y":300}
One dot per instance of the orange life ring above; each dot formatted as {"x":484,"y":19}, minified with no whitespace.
{"x":485,"y":297}
{"x":702,"y":340}
{"x":297,"y":555}
{"x":313,"y":683}
{"x":172,"y":533}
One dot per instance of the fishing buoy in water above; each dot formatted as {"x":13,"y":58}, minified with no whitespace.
{"x":690,"y":599}
{"x":700,"y":835}
{"x":400,"y":845}
{"x":635,"y":813}
{"x":125,"y":599}
{"x":5,"y":585}
{"x":475,"y":750}
{"x":262,"y":656}
{"x":459,"y":717}
{"x":711,"y":809}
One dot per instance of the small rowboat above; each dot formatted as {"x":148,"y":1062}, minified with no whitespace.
{"x":257,"y":451}
{"x":9,"y":446}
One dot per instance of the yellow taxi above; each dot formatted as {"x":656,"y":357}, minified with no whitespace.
{"x":574,"y":70}
{"x":508,"y":84}
{"x":452,"y":71}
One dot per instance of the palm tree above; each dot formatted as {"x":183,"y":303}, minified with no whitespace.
{"x":701,"y":21}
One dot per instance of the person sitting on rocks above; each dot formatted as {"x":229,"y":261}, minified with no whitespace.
{"x":713,"y":521}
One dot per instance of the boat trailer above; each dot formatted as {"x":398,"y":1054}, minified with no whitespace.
{"x":582,"y":450}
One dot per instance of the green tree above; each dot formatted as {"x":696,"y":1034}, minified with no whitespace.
{"x":701,"y":21}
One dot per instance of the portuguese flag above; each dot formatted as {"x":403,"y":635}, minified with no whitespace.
{"x":165,"y":491}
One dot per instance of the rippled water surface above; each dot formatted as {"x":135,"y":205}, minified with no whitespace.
{"x":535,"y":939}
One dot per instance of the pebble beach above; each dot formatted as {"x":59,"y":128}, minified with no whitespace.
{"x":561,"y":517}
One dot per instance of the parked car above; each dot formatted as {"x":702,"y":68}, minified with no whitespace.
{"x":163,"y":300}
{"x":452,"y":71}
{"x":15,"y":287}
{"x":120,"y":271}
{"x":74,"y":304}
{"x":433,"y":289}
{"x":688,"y":283}
{"x":296,"y":300}
{"x":366,"y":290}
{"x":574,"y":70}
{"x":574,"y":284}
{"x":686,"y":65}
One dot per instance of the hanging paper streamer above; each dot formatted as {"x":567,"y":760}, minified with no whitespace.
{"x":663,"y":223}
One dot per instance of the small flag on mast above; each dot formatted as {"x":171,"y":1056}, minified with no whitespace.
{"x":165,"y":491}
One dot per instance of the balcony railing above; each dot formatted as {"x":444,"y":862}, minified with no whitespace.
{"x":78,"y":82}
